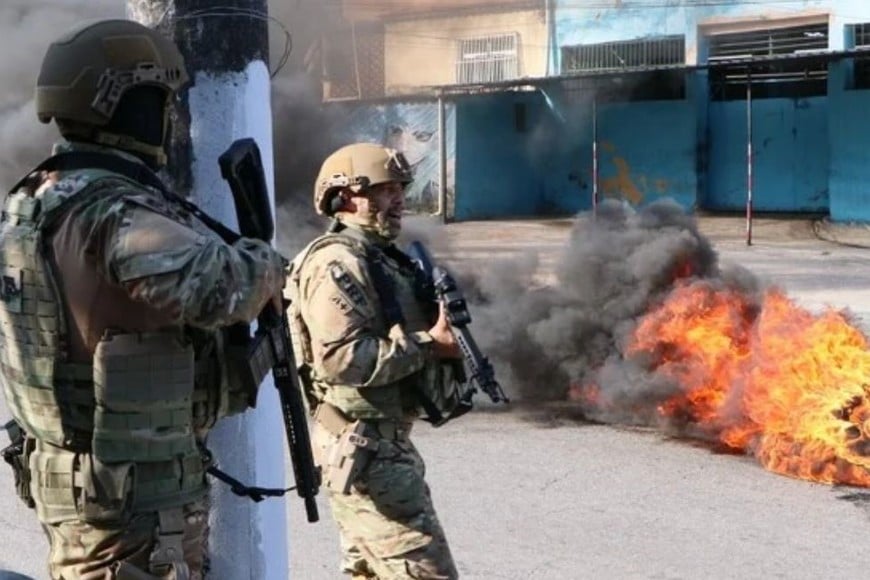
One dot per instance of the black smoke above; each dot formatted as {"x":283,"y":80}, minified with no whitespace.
{"x":27,"y":28}
{"x":549,"y":336}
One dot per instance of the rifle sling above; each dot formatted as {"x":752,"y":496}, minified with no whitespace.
{"x":257,"y":494}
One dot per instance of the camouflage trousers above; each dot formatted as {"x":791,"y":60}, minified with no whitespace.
{"x":81,"y":551}
{"x":388,"y":526}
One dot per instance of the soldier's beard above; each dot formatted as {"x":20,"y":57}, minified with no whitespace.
{"x":388,"y":226}
{"x":377,"y":222}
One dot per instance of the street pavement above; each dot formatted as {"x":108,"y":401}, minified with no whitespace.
{"x":539,"y":494}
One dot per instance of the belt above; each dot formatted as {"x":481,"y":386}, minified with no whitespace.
{"x":335,"y":421}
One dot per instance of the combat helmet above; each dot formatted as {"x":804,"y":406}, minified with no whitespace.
{"x":86,"y":73}
{"x":357,"y":167}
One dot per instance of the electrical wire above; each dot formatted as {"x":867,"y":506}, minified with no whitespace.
{"x":231,"y":12}
{"x":560,"y":4}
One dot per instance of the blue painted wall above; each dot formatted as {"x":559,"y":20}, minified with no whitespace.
{"x":494,"y":174}
{"x":646,"y":152}
{"x":810,"y":154}
{"x":790,"y":155}
{"x":849,"y":129}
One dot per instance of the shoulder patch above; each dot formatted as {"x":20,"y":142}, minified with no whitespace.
{"x":346,"y":284}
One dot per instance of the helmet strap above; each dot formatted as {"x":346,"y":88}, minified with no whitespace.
{"x":154,"y":153}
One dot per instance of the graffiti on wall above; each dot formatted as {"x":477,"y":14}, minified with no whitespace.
{"x":623,"y":184}
{"x":411,"y":128}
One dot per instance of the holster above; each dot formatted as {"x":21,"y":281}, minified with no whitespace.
{"x":350,"y":455}
{"x":17,"y":455}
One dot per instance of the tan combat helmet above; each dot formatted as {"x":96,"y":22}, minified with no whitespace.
{"x":357,"y":167}
{"x":86,"y":72}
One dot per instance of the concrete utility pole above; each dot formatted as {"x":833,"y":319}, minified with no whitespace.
{"x":225,"y":46}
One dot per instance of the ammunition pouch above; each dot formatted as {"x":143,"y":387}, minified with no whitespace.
{"x":348,"y":457}
{"x":143,"y":385}
{"x":17,"y":455}
{"x":105,"y":494}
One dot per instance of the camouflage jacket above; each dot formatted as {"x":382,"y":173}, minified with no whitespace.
{"x":162,"y":257}
{"x":357,"y":362}
{"x":118,"y":256}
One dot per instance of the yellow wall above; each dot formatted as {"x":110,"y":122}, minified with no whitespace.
{"x":422,"y":53}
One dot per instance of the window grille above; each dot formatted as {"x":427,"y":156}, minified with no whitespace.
{"x":860,"y":36}
{"x":772,"y":73}
{"x":629,"y":54}
{"x":488,"y":59}
{"x":769,"y":42}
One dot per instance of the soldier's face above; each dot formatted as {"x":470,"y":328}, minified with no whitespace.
{"x":384,"y":205}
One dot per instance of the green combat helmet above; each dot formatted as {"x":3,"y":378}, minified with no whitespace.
{"x":87,"y":73}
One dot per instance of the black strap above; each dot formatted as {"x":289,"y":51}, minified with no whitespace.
{"x":384,"y":286}
{"x":138,"y":172}
{"x":257,"y":494}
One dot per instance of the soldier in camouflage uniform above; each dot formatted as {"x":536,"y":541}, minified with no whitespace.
{"x":369,"y":350}
{"x":112,"y":308}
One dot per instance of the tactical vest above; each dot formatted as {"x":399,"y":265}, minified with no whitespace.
{"x":394,"y":401}
{"x":113,"y":437}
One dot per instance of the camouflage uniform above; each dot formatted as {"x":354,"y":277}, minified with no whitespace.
{"x":118,"y":486}
{"x":367,"y":370}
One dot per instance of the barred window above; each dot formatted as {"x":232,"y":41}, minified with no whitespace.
{"x":488,"y":59}
{"x":771,"y":72}
{"x":859,"y":35}
{"x":626,"y":54}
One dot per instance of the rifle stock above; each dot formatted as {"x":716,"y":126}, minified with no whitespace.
{"x":242,"y":168}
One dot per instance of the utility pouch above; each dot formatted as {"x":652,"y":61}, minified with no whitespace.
{"x":348,"y":457}
{"x":143,"y":385}
{"x":106,"y":493}
{"x":17,"y":455}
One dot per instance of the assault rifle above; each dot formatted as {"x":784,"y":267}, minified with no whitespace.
{"x":448,"y":294}
{"x":270,"y":347}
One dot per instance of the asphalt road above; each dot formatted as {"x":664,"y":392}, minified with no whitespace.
{"x":537,"y":495}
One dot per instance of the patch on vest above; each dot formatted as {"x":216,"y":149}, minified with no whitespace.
{"x":10,"y":289}
{"x":347,"y":285}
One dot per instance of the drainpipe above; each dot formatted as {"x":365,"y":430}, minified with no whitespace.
{"x":442,"y":159}
{"x":595,"y":157}
{"x":548,"y":15}
{"x":749,"y":158}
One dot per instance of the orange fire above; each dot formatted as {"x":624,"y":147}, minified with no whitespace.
{"x":787,"y":385}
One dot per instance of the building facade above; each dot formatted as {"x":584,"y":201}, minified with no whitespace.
{"x":554,"y":104}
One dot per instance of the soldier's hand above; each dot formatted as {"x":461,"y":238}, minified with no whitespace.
{"x":443,"y":342}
